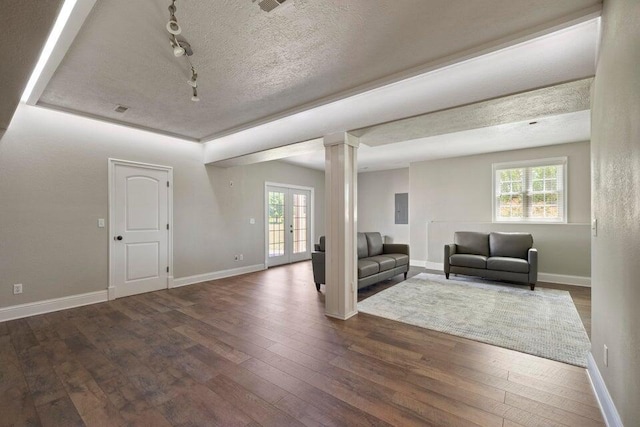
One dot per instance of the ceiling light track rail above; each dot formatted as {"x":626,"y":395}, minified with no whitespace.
{"x":182,"y":48}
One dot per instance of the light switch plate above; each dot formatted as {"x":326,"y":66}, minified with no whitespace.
{"x":594,"y":227}
{"x":101,"y":222}
{"x":252,"y":220}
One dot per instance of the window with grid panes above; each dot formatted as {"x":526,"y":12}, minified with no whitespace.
{"x":531,"y":191}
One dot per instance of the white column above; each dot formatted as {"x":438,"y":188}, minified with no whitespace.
{"x":341,"y":183}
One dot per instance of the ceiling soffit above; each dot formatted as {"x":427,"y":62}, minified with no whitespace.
{"x":25,"y":26}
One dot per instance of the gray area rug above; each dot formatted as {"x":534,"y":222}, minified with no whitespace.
{"x":543,"y":322}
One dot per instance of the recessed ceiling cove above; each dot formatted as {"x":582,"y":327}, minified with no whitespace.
{"x":255,"y":66}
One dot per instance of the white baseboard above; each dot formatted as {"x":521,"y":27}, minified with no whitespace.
{"x":50,"y":305}
{"x":190,"y":280}
{"x":564,"y":279}
{"x":57,"y":304}
{"x":560,"y":279}
{"x":416,"y":263}
{"x":609,"y":411}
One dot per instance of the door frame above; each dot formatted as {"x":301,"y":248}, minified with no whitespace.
{"x":111,"y":176}
{"x":265,"y":213}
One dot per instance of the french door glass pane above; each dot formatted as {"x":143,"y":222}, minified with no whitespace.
{"x":276,"y":223}
{"x":299,"y":223}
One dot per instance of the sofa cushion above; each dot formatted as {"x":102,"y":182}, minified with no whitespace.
{"x":471,"y":242}
{"x":468,"y":260}
{"x":363,"y":249}
{"x":386,"y":263}
{"x":374,"y":240}
{"x":367,"y":268}
{"x":514,"y":245}
{"x":401,"y":259}
{"x":514,"y":265}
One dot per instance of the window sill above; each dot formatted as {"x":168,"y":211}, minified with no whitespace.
{"x":533,"y":222}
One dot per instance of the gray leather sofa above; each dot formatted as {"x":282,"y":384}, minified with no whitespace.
{"x":377,"y":261}
{"x":502,"y":256}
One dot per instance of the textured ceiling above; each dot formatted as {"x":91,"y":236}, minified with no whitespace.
{"x":25,"y":25}
{"x":254,"y":66}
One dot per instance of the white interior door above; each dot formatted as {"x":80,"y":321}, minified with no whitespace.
{"x":288,"y":214}
{"x":139,"y":229}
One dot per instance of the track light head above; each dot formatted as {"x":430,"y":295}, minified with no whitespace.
{"x":178,"y":51}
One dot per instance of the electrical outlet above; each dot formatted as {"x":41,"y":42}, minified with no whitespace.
{"x":241,"y":257}
{"x":17,"y":288}
{"x":605,"y":355}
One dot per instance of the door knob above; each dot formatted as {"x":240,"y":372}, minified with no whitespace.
{"x":117,"y":238}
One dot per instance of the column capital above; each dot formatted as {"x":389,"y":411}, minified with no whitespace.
{"x":341,"y":138}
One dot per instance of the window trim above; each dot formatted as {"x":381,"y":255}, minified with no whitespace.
{"x":530,"y":164}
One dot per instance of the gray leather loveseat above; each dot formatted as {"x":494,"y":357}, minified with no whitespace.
{"x":377,"y":261}
{"x":502,"y":256}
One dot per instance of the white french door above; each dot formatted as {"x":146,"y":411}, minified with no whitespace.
{"x":139,"y":228}
{"x":288,"y":224}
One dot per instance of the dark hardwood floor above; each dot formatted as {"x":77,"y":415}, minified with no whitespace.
{"x":258,"y":350}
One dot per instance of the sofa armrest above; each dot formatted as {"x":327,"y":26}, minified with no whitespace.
{"x":318,"y":264}
{"x":395,"y":248}
{"x":532,"y":256}
{"x":449,"y":250}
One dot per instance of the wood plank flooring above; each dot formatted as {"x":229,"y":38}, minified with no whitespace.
{"x":258,"y":350}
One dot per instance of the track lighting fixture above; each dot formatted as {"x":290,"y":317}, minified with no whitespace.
{"x":178,"y":50}
{"x":181,"y":48}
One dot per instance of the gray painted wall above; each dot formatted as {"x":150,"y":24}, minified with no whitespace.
{"x":376,"y":192}
{"x":615,"y":153}
{"x":53,"y":188}
{"x":455,"y":193}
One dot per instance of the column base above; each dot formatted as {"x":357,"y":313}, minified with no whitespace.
{"x":341,"y":317}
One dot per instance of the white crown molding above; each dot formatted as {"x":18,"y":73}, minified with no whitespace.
{"x":198,"y":278}
{"x":51,"y":305}
{"x":608,"y":408}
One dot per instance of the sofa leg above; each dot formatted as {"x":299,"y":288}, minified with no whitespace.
{"x":318,"y":287}
{"x":405,"y":275}
{"x":532,"y":285}
{"x":446,"y":275}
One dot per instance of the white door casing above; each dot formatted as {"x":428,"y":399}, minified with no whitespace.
{"x":140,"y":243}
{"x":288,"y":238}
